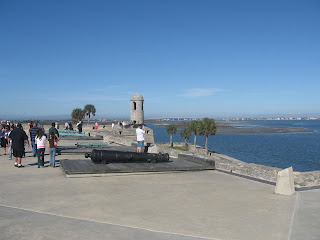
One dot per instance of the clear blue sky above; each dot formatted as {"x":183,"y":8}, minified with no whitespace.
{"x":187,"y":58}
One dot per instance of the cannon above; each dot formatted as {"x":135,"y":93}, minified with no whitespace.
{"x":107,"y":156}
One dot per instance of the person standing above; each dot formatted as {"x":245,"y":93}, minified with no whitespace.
{"x":140,"y":131}
{"x":6,"y":133}
{"x":18,"y":138}
{"x":33,"y":133}
{"x":54,"y":130}
{"x":1,"y":135}
{"x":52,"y":144}
{"x":79,"y":125}
{"x":10,"y":142}
{"x":70,"y":126}
{"x":66,"y":125}
{"x":41,"y":143}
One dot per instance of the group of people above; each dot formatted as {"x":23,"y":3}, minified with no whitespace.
{"x":68,"y":126}
{"x":5,"y":129}
{"x":15,"y":138}
{"x":39,"y":140}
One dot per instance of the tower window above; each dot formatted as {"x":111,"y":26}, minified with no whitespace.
{"x":134,"y":106}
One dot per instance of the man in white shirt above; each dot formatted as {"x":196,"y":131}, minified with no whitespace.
{"x":140,"y":137}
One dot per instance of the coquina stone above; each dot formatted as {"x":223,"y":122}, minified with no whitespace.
{"x":299,"y":180}
{"x":285,"y":182}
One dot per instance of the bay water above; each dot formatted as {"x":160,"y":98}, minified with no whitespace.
{"x":282,"y":150}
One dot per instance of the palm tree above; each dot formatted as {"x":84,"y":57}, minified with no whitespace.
{"x":77,"y":114}
{"x":88,"y":110}
{"x":209,"y":128}
{"x":171,"y":129}
{"x":196,"y":128}
{"x":186,"y":134}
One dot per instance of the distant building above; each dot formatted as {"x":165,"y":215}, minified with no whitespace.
{"x":137,"y":112}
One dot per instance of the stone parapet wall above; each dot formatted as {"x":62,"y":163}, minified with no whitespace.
{"x":249,"y":169}
{"x":235,"y":166}
{"x":226,"y":163}
{"x":303,"y":179}
{"x":165,"y":148}
{"x":120,"y":140}
{"x":124,"y":136}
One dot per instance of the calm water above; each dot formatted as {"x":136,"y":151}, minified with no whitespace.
{"x":299,"y":150}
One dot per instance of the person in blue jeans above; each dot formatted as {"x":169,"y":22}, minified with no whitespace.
{"x":33,"y":133}
{"x":52,"y":144}
{"x":10,"y":143}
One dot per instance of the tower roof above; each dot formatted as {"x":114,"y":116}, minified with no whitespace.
{"x":137,"y":97}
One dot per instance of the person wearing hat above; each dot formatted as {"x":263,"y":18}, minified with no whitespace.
{"x":18,"y":138}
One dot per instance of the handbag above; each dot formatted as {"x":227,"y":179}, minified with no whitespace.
{"x":55,"y":142}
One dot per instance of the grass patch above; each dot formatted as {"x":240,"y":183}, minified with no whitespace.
{"x":179,"y":148}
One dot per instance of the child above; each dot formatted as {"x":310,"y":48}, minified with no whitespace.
{"x":52,"y":144}
{"x":40,"y":140}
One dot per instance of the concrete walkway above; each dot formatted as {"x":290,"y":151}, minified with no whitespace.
{"x":44,"y":204}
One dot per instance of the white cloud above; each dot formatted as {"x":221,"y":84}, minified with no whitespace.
{"x":200,"y":92}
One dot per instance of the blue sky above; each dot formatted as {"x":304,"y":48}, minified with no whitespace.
{"x":187,"y":58}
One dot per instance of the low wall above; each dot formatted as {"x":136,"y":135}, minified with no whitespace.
{"x":307,"y":178}
{"x":235,"y":166}
{"x":125,"y":136}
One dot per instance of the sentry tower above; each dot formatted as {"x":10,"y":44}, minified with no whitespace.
{"x":137,"y":113}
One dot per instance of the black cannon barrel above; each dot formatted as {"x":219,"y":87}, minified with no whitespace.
{"x":106,"y":156}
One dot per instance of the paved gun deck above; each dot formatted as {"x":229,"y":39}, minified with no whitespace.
{"x":83,"y":167}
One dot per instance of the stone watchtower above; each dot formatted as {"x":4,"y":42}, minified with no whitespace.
{"x":137,"y":113}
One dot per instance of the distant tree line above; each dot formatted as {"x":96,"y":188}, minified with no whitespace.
{"x":79,"y":114}
{"x":206,"y":126}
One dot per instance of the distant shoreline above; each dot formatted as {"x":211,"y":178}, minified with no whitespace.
{"x":223,"y":127}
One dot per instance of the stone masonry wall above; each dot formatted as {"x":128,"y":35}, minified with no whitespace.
{"x":124,"y":136}
{"x":229,"y":164}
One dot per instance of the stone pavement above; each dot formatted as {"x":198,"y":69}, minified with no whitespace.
{"x":44,"y":204}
